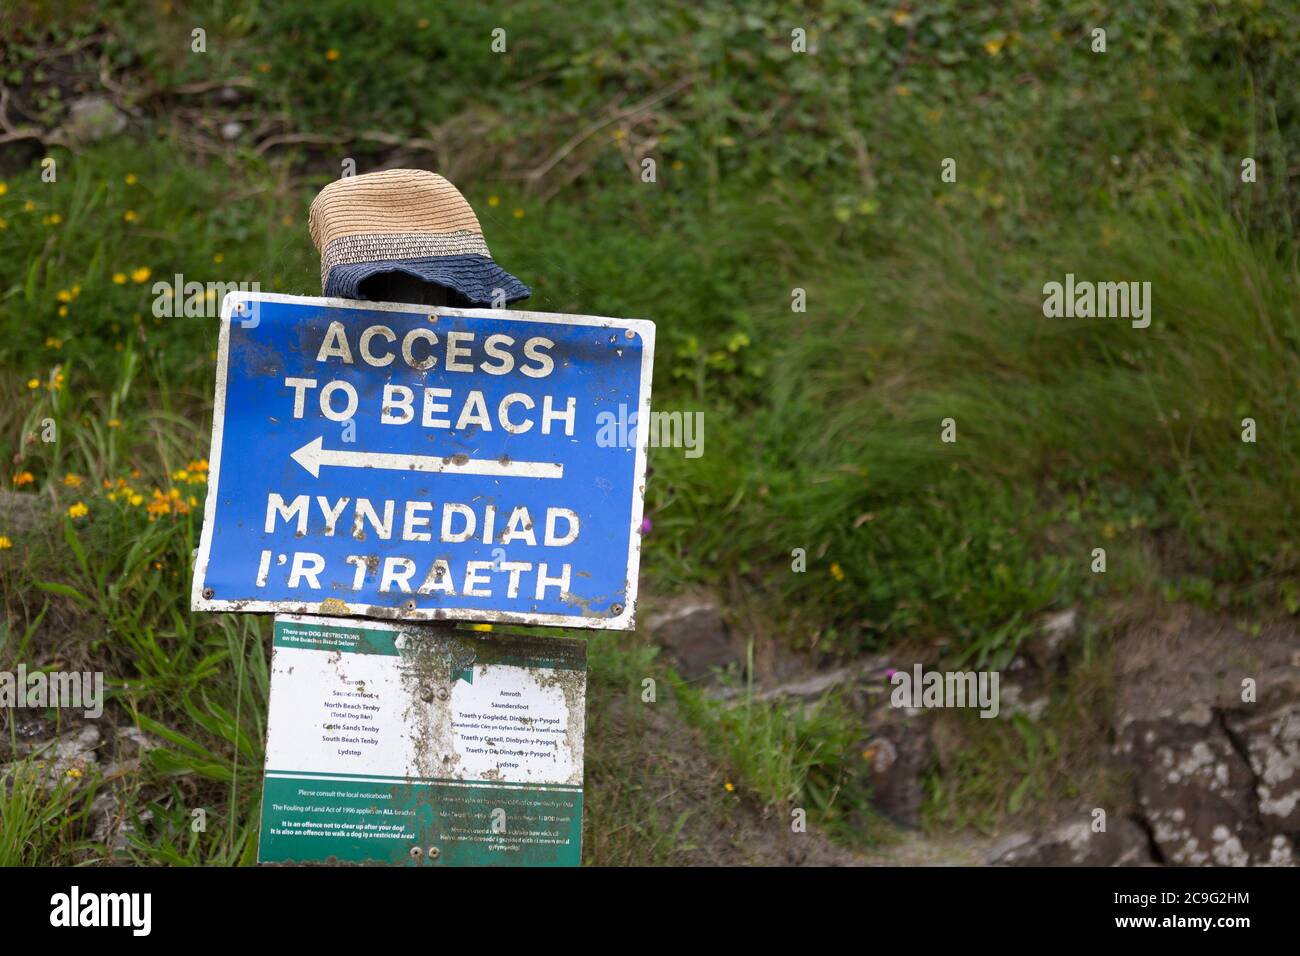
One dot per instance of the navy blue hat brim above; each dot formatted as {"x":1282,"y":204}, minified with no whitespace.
{"x":473,"y":276}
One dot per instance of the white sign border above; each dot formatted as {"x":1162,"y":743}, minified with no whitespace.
{"x":625,"y":621}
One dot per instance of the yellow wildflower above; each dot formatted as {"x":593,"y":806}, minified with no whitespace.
{"x":119,"y":278}
{"x":5,"y":543}
{"x":63,"y":295}
{"x":158,"y":505}
{"x":115,"y":423}
{"x":836,"y":571}
{"x":141,"y":275}
{"x":131,"y":179}
{"x":482,"y":627}
{"x":79,"y":510}
{"x":33,"y":383}
{"x":24,"y":478}
{"x":130,"y":216}
{"x":518,"y":213}
{"x":4,"y":188}
{"x":494,"y":201}
{"x":72,"y":481}
{"x":331,"y":55}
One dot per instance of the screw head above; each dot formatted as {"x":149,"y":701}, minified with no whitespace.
{"x":416,"y":853}
{"x":208,"y":593}
{"x":616,"y":609}
{"x":434,"y":853}
{"x":631,"y":333}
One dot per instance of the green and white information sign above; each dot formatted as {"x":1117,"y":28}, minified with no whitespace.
{"x":408,"y":744}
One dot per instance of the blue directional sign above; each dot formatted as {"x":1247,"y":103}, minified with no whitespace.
{"x":425,"y":463}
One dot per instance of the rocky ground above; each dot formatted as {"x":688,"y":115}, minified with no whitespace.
{"x":1205,"y":731}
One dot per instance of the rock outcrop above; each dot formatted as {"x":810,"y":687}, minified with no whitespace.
{"x":1208,"y":718}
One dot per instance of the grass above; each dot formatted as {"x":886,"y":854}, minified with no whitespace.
{"x":776,"y":172}
{"x":997,"y":771}
{"x":625,"y":821}
{"x":802,"y":759}
{"x":42,"y":817}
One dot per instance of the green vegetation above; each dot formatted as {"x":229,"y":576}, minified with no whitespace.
{"x":776,"y":171}
{"x":1018,"y":768}
{"x":795,"y":756}
{"x":40,"y":815}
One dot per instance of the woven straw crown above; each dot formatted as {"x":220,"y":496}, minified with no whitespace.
{"x":404,"y":220}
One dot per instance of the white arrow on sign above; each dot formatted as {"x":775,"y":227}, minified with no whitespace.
{"x":312,"y":456}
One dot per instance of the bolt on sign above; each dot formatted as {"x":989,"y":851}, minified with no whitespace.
{"x":424,"y":463}
{"x":405,"y":744}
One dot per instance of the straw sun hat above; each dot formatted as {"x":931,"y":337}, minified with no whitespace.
{"x":408,"y":221}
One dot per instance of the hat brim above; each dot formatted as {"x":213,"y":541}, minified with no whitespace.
{"x":475,"y":277}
